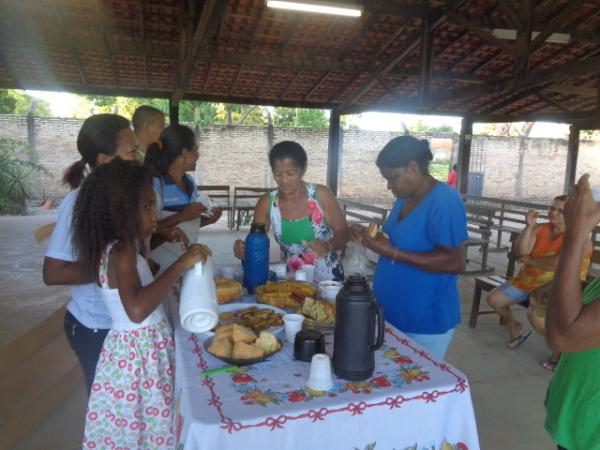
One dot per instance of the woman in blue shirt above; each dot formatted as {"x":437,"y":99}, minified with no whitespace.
{"x":416,"y":276}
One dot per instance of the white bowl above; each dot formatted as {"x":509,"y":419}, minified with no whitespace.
{"x":328,"y":290}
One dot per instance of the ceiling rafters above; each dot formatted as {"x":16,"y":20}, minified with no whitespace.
{"x":252,"y":40}
{"x":101,"y":17}
{"x":141,"y":6}
{"x":208,"y":24}
{"x":511,"y":10}
{"x":72,"y":52}
{"x":395,"y":59}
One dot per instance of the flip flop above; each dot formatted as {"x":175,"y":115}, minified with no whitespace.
{"x":517,"y":341}
{"x":549,"y":364}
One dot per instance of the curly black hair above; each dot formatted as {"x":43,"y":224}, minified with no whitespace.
{"x":106,"y":210}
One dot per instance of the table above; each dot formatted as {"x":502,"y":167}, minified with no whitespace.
{"x":412,"y":402}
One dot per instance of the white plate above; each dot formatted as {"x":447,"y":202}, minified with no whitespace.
{"x":233,"y":307}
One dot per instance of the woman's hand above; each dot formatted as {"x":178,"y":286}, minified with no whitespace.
{"x":582,"y":212}
{"x":318,"y":247}
{"x":239,"y":248}
{"x":177,"y":235}
{"x":380,"y":244}
{"x":356,"y":232}
{"x":531,"y":217}
{"x":192,"y":211}
{"x":194,"y":254}
{"x":214,"y":216}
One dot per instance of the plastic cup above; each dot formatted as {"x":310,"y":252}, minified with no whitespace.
{"x":300,"y":275}
{"x":309,"y":269}
{"x":292,"y":324}
{"x":319,"y":378}
{"x":228,"y":272}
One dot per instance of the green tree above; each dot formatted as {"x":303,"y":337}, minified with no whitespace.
{"x":18,"y":102}
{"x":301,"y":118}
{"x":17,"y":167}
{"x":423,"y":127}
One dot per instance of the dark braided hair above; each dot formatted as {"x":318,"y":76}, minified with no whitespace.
{"x":106,"y":210}
{"x":401,"y":150}
{"x":173,"y":140}
{"x":98,"y":134}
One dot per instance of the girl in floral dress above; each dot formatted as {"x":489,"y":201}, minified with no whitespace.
{"x":308,"y":223}
{"x":131,"y":403}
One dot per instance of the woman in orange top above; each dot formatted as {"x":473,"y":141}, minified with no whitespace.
{"x":538,"y":247}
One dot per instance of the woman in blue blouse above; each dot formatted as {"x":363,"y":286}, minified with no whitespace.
{"x":416,"y":276}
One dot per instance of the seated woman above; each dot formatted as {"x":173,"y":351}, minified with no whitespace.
{"x":538,"y":247}
{"x":307,"y":221}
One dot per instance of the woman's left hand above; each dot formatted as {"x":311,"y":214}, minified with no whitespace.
{"x":177,"y":235}
{"x":214,"y":216}
{"x":318,"y":247}
{"x":380,"y":244}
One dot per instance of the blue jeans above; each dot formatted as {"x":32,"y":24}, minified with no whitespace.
{"x":436,"y":344}
{"x":87,"y":344}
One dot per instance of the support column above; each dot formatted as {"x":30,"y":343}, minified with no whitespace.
{"x":173,"y":112}
{"x":464,"y":153}
{"x":572,"y":154}
{"x":334,"y":151}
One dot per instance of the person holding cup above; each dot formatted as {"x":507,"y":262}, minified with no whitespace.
{"x":307,"y":220}
{"x":573,"y":329}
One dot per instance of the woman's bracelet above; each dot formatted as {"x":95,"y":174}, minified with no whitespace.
{"x":394,"y":256}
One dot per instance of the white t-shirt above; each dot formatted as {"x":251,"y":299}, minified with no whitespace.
{"x":86,"y":301}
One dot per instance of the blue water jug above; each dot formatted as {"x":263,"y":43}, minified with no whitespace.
{"x":256,"y":257}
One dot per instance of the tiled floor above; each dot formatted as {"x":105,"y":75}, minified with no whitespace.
{"x":508,"y":386}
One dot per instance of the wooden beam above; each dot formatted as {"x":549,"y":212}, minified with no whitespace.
{"x":173,"y":112}
{"x":334,"y":151}
{"x":526,"y":11}
{"x":394,"y":60}
{"x":510,"y":99}
{"x":426,"y":55}
{"x":572,"y":155}
{"x":483,"y":33}
{"x":101,"y":14}
{"x":551,"y":102}
{"x":208,"y":24}
{"x":551,"y":26}
{"x":511,"y":9}
{"x":464,"y":153}
{"x":584,"y":91}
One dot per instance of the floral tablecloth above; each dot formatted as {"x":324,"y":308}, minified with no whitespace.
{"x":412,"y":402}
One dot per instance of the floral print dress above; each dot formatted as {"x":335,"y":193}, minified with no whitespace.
{"x":131,"y":403}
{"x":328,"y":267}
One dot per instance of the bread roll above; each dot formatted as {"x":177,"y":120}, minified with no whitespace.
{"x":267,"y":342}
{"x":241,"y":350}
{"x":242,"y":334}
{"x":221,"y":347}
{"x":372,"y":230}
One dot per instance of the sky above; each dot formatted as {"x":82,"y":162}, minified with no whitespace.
{"x":63,"y":104}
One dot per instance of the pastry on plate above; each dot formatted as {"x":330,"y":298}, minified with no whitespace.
{"x":242,"y":334}
{"x":221,"y":347}
{"x":267,"y":342}
{"x":241,"y":350}
{"x":227,"y":290}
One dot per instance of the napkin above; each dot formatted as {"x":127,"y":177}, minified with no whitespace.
{"x":168,"y":252}
{"x":198,"y":308}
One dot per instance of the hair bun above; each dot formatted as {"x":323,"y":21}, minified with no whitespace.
{"x":427,"y":150}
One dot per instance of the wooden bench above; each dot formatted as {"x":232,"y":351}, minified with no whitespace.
{"x":489,"y":283}
{"x":479,"y":222}
{"x":361,"y":213}
{"x":222,"y":193}
{"x":244,"y":202}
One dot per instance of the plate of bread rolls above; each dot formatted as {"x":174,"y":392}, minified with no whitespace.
{"x":239,"y":345}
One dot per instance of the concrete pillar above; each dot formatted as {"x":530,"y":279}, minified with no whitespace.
{"x":173,"y":112}
{"x":572,"y":154}
{"x":334,"y":151}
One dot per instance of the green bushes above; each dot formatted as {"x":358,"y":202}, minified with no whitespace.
{"x":17,"y":171}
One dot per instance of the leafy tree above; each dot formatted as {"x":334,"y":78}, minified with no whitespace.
{"x":301,"y":118}
{"x":17,"y":168}
{"x":17,"y":102}
{"x":423,"y":127}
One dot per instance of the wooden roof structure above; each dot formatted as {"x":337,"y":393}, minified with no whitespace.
{"x":414,"y":56}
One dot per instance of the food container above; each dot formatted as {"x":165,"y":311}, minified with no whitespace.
{"x":328,"y":290}
{"x":308,"y":343}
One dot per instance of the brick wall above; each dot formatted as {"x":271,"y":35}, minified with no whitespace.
{"x":515,"y":168}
